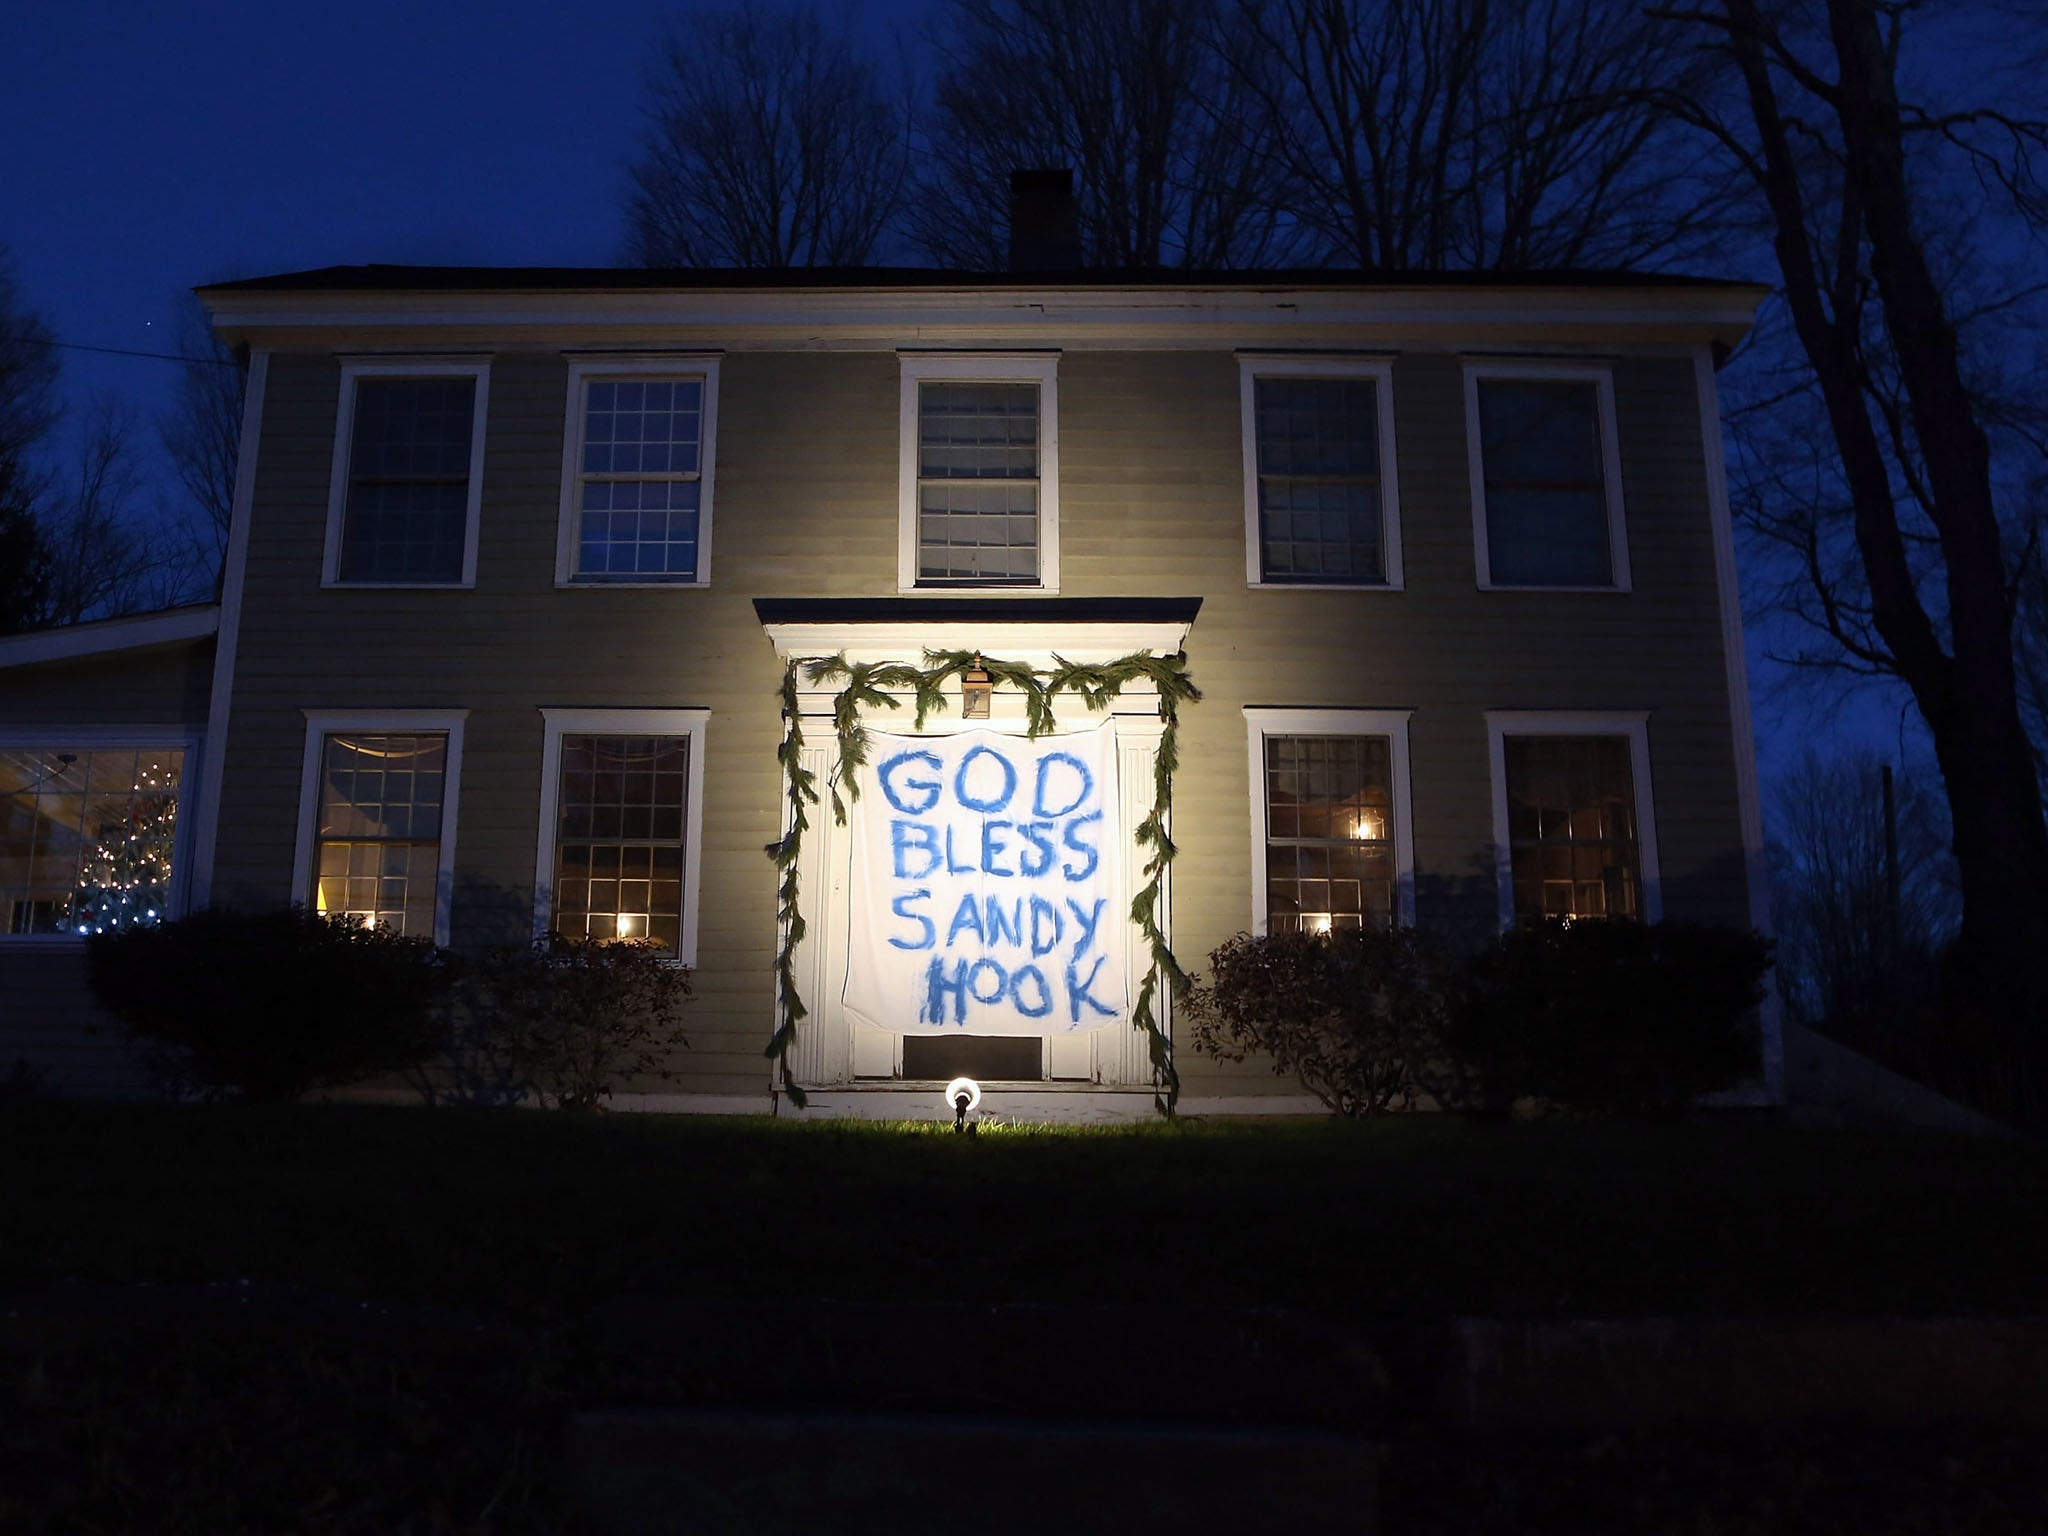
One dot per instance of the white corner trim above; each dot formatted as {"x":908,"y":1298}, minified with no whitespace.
{"x":1601,"y":376}
{"x":184,"y":887}
{"x":1748,"y":799}
{"x":1635,"y":725}
{"x":213,"y":766}
{"x":1254,"y":366}
{"x":322,"y":722}
{"x":557,"y":723}
{"x":985,"y":368}
{"x":1262,"y":722}
{"x":355,"y":368}
{"x":585,"y":366}
{"x":72,"y":642}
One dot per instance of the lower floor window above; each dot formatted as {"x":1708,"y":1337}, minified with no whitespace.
{"x":377,"y":843}
{"x":1572,"y":837}
{"x":86,"y":837}
{"x":1329,"y":832}
{"x":621,"y":808}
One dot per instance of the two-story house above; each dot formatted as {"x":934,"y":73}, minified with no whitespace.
{"x":519,"y":557}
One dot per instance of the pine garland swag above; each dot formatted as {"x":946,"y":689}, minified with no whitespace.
{"x":868,"y":685}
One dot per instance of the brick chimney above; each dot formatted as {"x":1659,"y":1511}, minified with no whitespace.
{"x":1045,"y":222}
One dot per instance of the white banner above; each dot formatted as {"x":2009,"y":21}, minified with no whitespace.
{"x":986,"y":869}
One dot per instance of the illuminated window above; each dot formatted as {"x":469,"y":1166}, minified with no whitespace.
{"x":1322,"y":504}
{"x":619,"y":824}
{"x":980,"y":472}
{"x":87,"y":837}
{"x":405,"y":497}
{"x":377,"y":838}
{"x":1331,"y":846}
{"x":1546,"y":476}
{"x":637,"y":485}
{"x":1573,"y":829}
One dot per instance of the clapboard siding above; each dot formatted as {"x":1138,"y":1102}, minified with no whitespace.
{"x":54,"y":1036}
{"x":1151,"y":503}
{"x":163,"y":685}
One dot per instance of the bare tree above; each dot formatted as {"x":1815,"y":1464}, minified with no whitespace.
{"x":201,"y":433}
{"x":772,"y":140}
{"x":1135,"y":96}
{"x":28,"y":410}
{"x":107,"y":555}
{"x":1818,"y":123}
{"x":1473,"y":134}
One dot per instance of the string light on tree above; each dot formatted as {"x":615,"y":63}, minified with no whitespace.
{"x":124,"y":881}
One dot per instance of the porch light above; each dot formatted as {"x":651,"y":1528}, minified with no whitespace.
{"x":977,"y":689}
{"x":962,"y":1094}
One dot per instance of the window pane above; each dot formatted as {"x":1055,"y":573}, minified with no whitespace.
{"x":1546,"y":498}
{"x":377,"y":838}
{"x":86,"y":837}
{"x":1572,"y":826}
{"x":978,"y":482}
{"x":1319,"y":489}
{"x":1329,"y":832}
{"x":619,"y":836}
{"x":408,"y":493}
{"x":639,"y":492}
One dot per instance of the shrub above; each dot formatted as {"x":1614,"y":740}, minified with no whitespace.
{"x":567,"y":1019}
{"x":271,"y":1004}
{"x":1358,"y":1014}
{"x":1613,"y":1017}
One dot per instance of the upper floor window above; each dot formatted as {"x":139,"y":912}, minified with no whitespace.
{"x":408,"y":480}
{"x":1572,"y":816}
{"x":636,"y":481}
{"x":1322,"y":503}
{"x":377,"y":818}
{"x":88,"y":835}
{"x":1331,"y":844}
{"x":980,"y":471}
{"x":1546,"y":476}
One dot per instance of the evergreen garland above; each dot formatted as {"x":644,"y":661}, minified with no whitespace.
{"x":867,"y":685}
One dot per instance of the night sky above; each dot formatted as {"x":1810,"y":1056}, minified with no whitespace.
{"x":146,"y":148}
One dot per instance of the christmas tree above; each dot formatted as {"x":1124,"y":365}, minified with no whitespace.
{"x":125,"y":879}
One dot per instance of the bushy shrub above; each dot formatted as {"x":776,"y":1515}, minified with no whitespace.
{"x":1357,"y":1014}
{"x":567,"y":1019}
{"x":271,"y":1004}
{"x":1613,"y":1017}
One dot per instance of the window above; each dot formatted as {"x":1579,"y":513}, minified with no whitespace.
{"x":1572,"y":823}
{"x":1331,"y":842}
{"x":88,"y":835}
{"x":1546,"y":476}
{"x":377,"y":818}
{"x":408,"y":481}
{"x":980,"y":472}
{"x":1322,"y":501}
{"x":621,"y":806}
{"x":636,"y":472}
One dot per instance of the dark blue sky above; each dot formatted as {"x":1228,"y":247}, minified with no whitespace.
{"x":145,"y":148}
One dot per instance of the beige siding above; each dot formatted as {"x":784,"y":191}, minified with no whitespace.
{"x":54,"y":1037}
{"x":1151,"y":504}
{"x":163,"y":685}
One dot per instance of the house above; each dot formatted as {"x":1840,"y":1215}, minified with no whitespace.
{"x":521,"y":559}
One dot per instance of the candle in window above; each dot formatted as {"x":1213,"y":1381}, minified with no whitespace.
{"x":1370,"y":827}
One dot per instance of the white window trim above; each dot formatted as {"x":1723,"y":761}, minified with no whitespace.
{"x":319,"y":724}
{"x":116,"y":738}
{"x":1392,"y":723}
{"x":981,"y":368}
{"x":639,"y":365}
{"x":1600,"y":375}
{"x":355,"y":369}
{"x":1252,"y":367}
{"x":1635,"y":725}
{"x":558,"y":723}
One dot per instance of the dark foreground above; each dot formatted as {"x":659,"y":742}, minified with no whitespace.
{"x":380,"y":1320}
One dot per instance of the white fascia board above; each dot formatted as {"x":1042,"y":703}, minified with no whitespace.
{"x":883,"y":317}
{"x":135,"y":633}
{"x":1011,"y":639}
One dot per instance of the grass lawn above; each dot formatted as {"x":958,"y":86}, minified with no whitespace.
{"x":421,"y":1284}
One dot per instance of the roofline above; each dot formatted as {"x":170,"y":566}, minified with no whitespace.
{"x":101,"y":637}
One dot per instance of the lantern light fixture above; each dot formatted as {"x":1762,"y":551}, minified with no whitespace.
{"x":977,"y":691}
